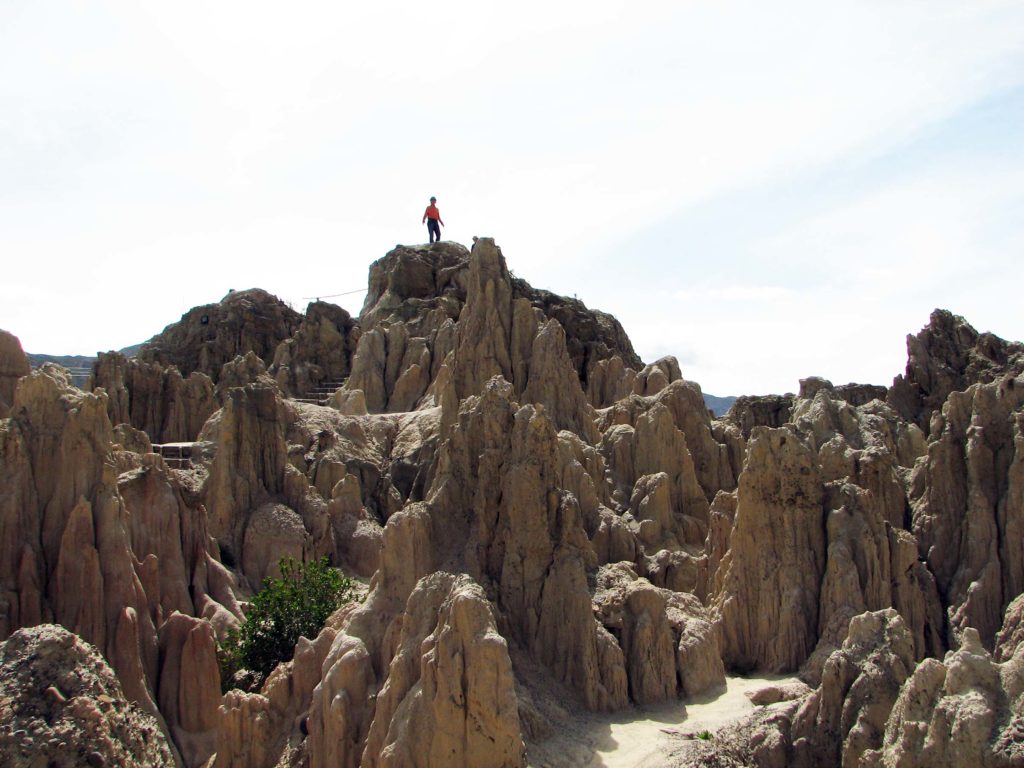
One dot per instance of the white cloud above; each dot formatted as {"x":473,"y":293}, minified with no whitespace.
{"x":153,"y":155}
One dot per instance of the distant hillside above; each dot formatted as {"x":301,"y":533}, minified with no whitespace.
{"x":719,"y":405}
{"x":68,"y":361}
{"x":35,"y":359}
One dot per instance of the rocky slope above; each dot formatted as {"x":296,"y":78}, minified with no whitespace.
{"x":62,"y":706}
{"x":543,"y":520}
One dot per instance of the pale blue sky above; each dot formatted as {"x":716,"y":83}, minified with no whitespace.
{"x":767,"y":191}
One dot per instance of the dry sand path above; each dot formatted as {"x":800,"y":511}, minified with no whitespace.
{"x":641,"y":737}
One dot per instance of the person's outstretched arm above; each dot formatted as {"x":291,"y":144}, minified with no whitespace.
{"x":424,"y":218}
{"x":439,"y":220}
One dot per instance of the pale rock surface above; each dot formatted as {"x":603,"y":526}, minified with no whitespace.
{"x":342,"y":705}
{"x":465,"y":441}
{"x":846,"y":715}
{"x":553,"y":384}
{"x":655,"y":376}
{"x":242,"y":370}
{"x":288,"y":478}
{"x":189,"y":689}
{"x":131,"y":439}
{"x":1011,"y":636}
{"x":963,"y":711}
{"x":110,"y":557}
{"x":861,"y":394}
{"x":269,"y":728}
{"x":609,"y":381}
{"x":526,"y":536}
{"x":321,"y":350}
{"x":750,"y":412}
{"x":773,"y":694}
{"x":864,"y":455}
{"x":61,"y":706}
{"x":169,"y":537}
{"x":450,"y":697}
{"x":66,"y":555}
{"x":968,"y":504}
{"x":248,"y":467}
{"x":350,"y":402}
{"x":411,"y":283}
{"x":407,"y":324}
{"x":721,"y":518}
{"x":274,"y":531}
{"x":772,"y":573}
{"x":840,"y":723}
{"x":495,"y":511}
{"x":244,"y":732}
{"x":669,"y":642}
{"x":635,"y":611}
{"x":655,"y":446}
{"x":154,"y":399}
{"x":592,"y":336}
{"x":425,"y":302}
{"x":717,"y":447}
{"x":485,"y":334}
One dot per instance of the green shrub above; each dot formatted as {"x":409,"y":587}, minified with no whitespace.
{"x":705,"y":735}
{"x":297,"y":604}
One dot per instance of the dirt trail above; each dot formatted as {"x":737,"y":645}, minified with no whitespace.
{"x":640,"y":737}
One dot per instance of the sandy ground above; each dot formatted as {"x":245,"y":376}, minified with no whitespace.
{"x":641,"y":737}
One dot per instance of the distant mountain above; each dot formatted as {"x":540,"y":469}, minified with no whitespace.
{"x":131,"y":351}
{"x":35,"y":359}
{"x":719,"y":405}
{"x":68,"y":361}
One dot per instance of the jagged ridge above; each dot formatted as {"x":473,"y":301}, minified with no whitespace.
{"x":608,"y":530}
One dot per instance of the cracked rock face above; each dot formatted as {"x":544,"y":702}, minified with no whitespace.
{"x":450,"y":697}
{"x":776,"y":560}
{"x":948,"y":356}
{"x":964,"y":710}
{"x":207,"y":337}
{"x":154,"y":399}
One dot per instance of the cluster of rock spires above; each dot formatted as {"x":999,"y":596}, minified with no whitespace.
{"x":535,"y":511}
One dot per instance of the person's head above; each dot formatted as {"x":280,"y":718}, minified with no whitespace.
{"x":433,"y":200}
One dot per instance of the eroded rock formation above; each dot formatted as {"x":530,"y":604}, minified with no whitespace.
{"x":320,"y":351}
{"x":209,"y":336}
{"x":13,"y":365}
{"x":533,"y":508}
{"x":154,"y":399}
{"x":109,"y":557}
{"x":965,"y":710}
{"x":947,"y":356}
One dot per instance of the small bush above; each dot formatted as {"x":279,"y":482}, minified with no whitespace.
{"x":297,"y":604}
{"x":705,"y":735}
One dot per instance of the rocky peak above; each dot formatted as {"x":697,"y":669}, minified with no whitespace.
{"x":948,"y":355}
{"x":13,"y":365}
{"x":421,"y":304}
{"x":206,"y":337}
{"x":410,"y":282}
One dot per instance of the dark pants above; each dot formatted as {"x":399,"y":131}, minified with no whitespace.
{"x":434,"y":229}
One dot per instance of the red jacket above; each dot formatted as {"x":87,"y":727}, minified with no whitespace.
{"x":432,"y":213}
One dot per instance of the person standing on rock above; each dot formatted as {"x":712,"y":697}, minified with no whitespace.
{"x":433,"y":218}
